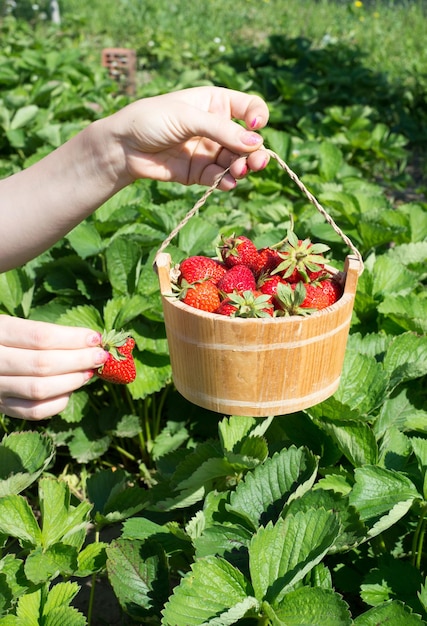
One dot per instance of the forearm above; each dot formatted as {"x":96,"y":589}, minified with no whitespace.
{"x":41,"y":204}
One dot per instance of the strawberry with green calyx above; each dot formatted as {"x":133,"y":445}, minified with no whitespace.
{"x":267,"y":261}
{"x":249,"y":304}
{"x":119,"y":367}
{"x":290,"y":299}
{"x":198,"y":267}
{"x":321,"y":294}
{"x":302,"y":259}
{"x":203,"y":295}
{"x":237,"y":278}
{"x":238,"y":250}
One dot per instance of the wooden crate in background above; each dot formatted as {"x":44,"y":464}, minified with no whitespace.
{"x":121,"y":65}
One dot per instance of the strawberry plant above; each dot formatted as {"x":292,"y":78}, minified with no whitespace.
{"x":317,"y":516}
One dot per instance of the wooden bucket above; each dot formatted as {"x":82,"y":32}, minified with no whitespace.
{"x":257,"y":367}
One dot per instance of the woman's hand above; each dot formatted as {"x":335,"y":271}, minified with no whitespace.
{"x":190,"y":136}
{"x":41,"y":364}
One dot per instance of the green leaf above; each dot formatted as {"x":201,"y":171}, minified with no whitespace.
{"x":355,"y":440}
{"x":17,"y":520}
{"x":232,"y":430}
{"x":16,"y":290}
{"x":406,"y":358}
{"x":139,"y":576}
{"x":310,"y":605}
{"x":91,"y":559}
{"x":390,"y":277}
{"x":331,"y":160}
{"x":77,"y":404}
{"x":363,"y":383}
{"x":43,"y":565}
{"x":281,"y":555}
{"x":392,"y":613}
{"x":171,"y":437}
{"x":23,"y":458}
{"x":381,"y":496}
{"x":260,"y":497}
{"x":409,"y":312}
{"x":114,"y":497}
{"x":24,"y":116}
{"x":226,"y":540}
{"x":122,"y":256}
{"x":197,"y":235}
{"x":60,"y":594}
{"x":352,"y":531}
{"x":85,"y":240}
{"x":86,"y":316}
{"x":401,"y":411}
{"x":172,"y":538}
{"x":12,"y":581}
{"x":61,"y":520}
{"x":213,"y":592}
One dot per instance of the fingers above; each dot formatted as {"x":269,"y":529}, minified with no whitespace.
{"x":35,"y":410}
{"x":41,"y":364}
{"x":20,"y":333}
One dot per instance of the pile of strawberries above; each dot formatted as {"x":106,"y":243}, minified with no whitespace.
{"x":287,"y":279}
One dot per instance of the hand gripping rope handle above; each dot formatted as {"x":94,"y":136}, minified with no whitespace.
{"x":299,"y":184}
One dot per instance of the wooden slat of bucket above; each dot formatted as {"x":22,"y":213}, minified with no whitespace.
{"x":261,"y":367}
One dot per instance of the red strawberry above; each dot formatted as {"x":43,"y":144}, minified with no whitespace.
{"x":196,"y":268}
{"x":269,"y":284}
{"x":238,"y":251}
{"x":302,"y":259}
{"x":321,"y":294}
{"x":203,"y":295}
{"x":267,"y":261}
{"x":237,"y":278}
{"x":227,"y":308}
{"x":120,"y":366}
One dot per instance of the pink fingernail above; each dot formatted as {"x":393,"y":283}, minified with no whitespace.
{"x":101,"y":357}
{"x":94,"y":339}
{"x":89,"y":374}
{"x":244,"y":170}
{"x":255,"y":122}
{"x":250,"y":139}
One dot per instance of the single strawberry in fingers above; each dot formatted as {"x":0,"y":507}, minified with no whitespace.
{"x":238,"y":251}
{"x":119,"y":367}
{"x":197,"y":268}
{"x":237,"y":278}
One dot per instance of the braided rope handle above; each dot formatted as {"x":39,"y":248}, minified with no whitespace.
{"x":299,"y":184}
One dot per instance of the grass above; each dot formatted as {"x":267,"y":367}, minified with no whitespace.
{"x":390,"y":34}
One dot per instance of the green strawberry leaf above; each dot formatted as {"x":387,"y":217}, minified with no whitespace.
{"x":281,"y":555}
{"x":309,"y":605}
{"x":213,"y":592}
{"x":139,"y":576}
{"x":23,"y":458}
{"x":43,"y":565}
{"x":18,"y":520}
{"x":392,"y":613}
{"x":381,"y":497}
{"x":260,"y":497}
{"x":61,"y":520}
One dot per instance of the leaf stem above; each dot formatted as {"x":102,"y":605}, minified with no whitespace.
{"x":418,"y":539}
{"x":92,"y":588}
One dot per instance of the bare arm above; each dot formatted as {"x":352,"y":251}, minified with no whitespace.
{"x":187,"y":137}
